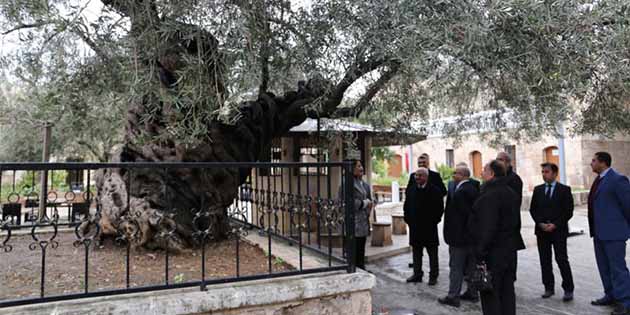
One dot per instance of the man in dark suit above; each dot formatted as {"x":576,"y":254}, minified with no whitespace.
{"x":516,"y":183}
{"x":461,"y":261}
{"x":609,"y":223}
{"x":552,"y":208}
{"x":423,"y":209}
{"x":494,"y":226}
{"x":434,"y":178}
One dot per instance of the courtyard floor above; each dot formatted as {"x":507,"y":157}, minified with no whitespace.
{"x":393,"y":296}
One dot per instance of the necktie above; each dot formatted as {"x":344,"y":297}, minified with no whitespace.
{"x":548,"y":193}
{"x":591,"y":193}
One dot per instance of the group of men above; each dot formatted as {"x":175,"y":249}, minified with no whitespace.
{"x":551,"y":209}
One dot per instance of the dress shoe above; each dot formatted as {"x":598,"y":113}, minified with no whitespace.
{"x":605,"y":301}
{"x":548,"y":294}
{"x":432,"y":281}
{"x":414,"y":278}
{"x":470,"y":297}
{"x":447,"y":300}
{"x":621,"y":309}
{"x":568,"y":296}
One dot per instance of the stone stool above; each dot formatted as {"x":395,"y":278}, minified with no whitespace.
{"x":399,"y":225}
{"x":381,"y":234}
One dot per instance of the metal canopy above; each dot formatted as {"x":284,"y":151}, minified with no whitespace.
{"x":382,"y":137}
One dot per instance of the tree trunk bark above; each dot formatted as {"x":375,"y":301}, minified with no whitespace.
{"x":155,"y":208}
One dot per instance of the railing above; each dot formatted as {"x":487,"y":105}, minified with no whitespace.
{"x":53,"y":248}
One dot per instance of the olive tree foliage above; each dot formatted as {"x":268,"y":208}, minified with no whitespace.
{"x":541,"y":61}
{"x":213,"y":80}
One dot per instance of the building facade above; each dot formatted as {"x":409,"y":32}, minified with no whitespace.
{"x":527,"y":156}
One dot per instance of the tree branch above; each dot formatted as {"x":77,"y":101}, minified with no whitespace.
{"x":26,"y":26}
{"x":370,"y":93}
{"x":335,"y":96}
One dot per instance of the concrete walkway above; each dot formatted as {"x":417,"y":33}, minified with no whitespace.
{"x":395,"y":297}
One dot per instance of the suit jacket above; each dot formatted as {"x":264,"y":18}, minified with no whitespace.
{"x":609,"y":220}
{"x":434,"y":178}
{"x":458,"y":209}
{"x":475,"y":183}
{"x":361,"y":194}
{"x":516,"y":184}
{"x":423,"y":209}
{"x":557,"y":210}
{"x":494,"y":224}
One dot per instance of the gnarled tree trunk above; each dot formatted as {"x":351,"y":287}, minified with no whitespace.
{"x":161,"y":202}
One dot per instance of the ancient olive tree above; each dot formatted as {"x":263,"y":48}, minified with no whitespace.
{"x":216,"y":80}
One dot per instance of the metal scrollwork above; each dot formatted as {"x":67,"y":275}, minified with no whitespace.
{"x":5,"y":226}
{"x":332,"y":216}
{"x":275,"y":207}
{"x":202,"y":225}
{"x":168,"y":226}
{"x":43,"y":243}
{"x":87,"y":231}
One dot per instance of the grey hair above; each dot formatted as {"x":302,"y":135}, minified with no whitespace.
{"x":422,"y":170}
{"x":464,"y":170}
{"x":461,"y":164}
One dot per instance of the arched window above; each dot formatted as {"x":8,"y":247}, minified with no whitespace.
{"x":477,"y":164}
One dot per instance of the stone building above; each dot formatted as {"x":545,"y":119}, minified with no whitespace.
{"x":527,"y":156}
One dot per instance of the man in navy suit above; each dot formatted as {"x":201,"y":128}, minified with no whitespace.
{"x":609,"y":223}
{"x":552,"y":208}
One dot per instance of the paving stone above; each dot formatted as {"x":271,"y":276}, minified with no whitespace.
{"x":392,"y":293}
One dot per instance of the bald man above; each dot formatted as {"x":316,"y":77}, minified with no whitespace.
{"x":423,"y":209}
{"x":458,"y":237}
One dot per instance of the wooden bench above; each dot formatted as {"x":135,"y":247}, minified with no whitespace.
{"x":381,"y":234}
{"x":399,"y":226}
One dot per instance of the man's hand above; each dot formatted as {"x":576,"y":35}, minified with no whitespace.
{"x":547,"y":227}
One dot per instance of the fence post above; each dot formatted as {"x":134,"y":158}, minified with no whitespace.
{"x":349,"y":215}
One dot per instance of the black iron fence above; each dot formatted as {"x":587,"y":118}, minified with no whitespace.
{"x":52,"y":227}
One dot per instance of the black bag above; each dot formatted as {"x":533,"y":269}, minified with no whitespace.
{"x":481,"y":278}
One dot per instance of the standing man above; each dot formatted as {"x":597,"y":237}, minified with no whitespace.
{"x":552,"y":208}
{"x":609,"y":223}
{"x":516,"y":184}
{"x":461,"y":261}
{"x":434,"y":178}
{"x":494,"y":226}
{"x":423,"y":210}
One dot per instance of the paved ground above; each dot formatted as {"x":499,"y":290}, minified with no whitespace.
{"x":395,"y":297}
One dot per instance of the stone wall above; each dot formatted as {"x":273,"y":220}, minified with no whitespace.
{"x":618,"y":147}
{"x":328,"y":293}
{"x":529,"y":155}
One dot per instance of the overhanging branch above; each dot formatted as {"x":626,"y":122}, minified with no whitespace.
{"x":27,"y":26}
{"x":370,"y":93}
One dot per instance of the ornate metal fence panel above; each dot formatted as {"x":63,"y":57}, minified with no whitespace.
{"x":60,"y":244}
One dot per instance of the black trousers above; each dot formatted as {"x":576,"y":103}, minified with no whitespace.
{"x":558,"y":241}
{"x":359,"y":258}
{"x":433,"y":260}
{"x":502,"y":299}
